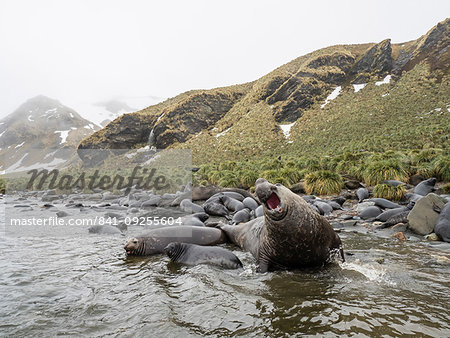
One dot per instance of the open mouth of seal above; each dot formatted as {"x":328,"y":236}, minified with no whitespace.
{"x":274,"y":203}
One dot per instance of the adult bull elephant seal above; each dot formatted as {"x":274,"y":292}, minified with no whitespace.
{"x":191,"y":254}
{"x":154,"y":241}
{"x":290,"y":235}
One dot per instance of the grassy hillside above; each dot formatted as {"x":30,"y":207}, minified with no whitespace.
{"x":236,"y":131}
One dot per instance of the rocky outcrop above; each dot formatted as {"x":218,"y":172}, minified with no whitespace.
{"x":433,"y":48}
{"x":376,"y":61}
{"x":164,"y":124}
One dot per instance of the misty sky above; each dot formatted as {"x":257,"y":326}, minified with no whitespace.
{"x":76,"y":50}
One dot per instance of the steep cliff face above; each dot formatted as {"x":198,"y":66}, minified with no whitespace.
{"x":230,"y":119}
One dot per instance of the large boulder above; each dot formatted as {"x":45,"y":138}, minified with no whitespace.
{"x":425,"y":213}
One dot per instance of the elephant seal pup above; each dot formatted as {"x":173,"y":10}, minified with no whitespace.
{"x":362,"y":194}
{"x":425,"y":187}
{"x":214,"y":207}
{"x":187,"y":206}
{"x":241,"y":216}
{"x":154,"y":241}
{"x":442,"y":227}
{"x":370,"y":212}
{"x":232,"y":204}
{"x":259,"y":211}
{"x":384,"y":203}
{"x":250,"y":203}
{"x":290,"y":235}
{"x":192,"y":254}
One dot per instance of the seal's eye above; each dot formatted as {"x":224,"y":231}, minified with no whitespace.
{"x":278,"y":184}
{"x":134,"y":242}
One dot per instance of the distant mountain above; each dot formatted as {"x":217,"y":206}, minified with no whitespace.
{"x":41,"y":133}
{"x":103,"y":112}
{"x":374,"y":96}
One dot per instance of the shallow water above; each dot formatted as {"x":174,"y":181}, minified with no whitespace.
{"x":82,"y":284}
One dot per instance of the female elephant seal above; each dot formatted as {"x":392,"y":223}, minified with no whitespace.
{"x":290,"y":235}
{"x":192,"y":254}
{"x":154,"y":241}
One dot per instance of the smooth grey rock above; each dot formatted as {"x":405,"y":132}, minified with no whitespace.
{"x":425,"y":213}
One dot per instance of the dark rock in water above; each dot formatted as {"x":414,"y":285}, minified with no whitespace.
{"x":394,"y":183}
{"x":442,"y":227}
{"x":298,"y":188}
{"x":425,"y":213}
{"x":425,"y":187}
{"x":62,"y":213}
{"x":104,"y":230}
{"x":353,"y":184}
{"x":241,"y":216}
{"x":362,"y":194}
{"x":416,"y":179}
{"x":250,"y":203}
{"x":384,"y":216}
{"x":47,"y":206}
{"x":370,"y":212}
{"x":384,"y":203}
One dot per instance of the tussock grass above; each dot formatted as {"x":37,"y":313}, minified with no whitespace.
{"x":391,"y":169}
{"x":389,"y":192}
{"x":441,"y":168}
{"x":323,"y":182}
